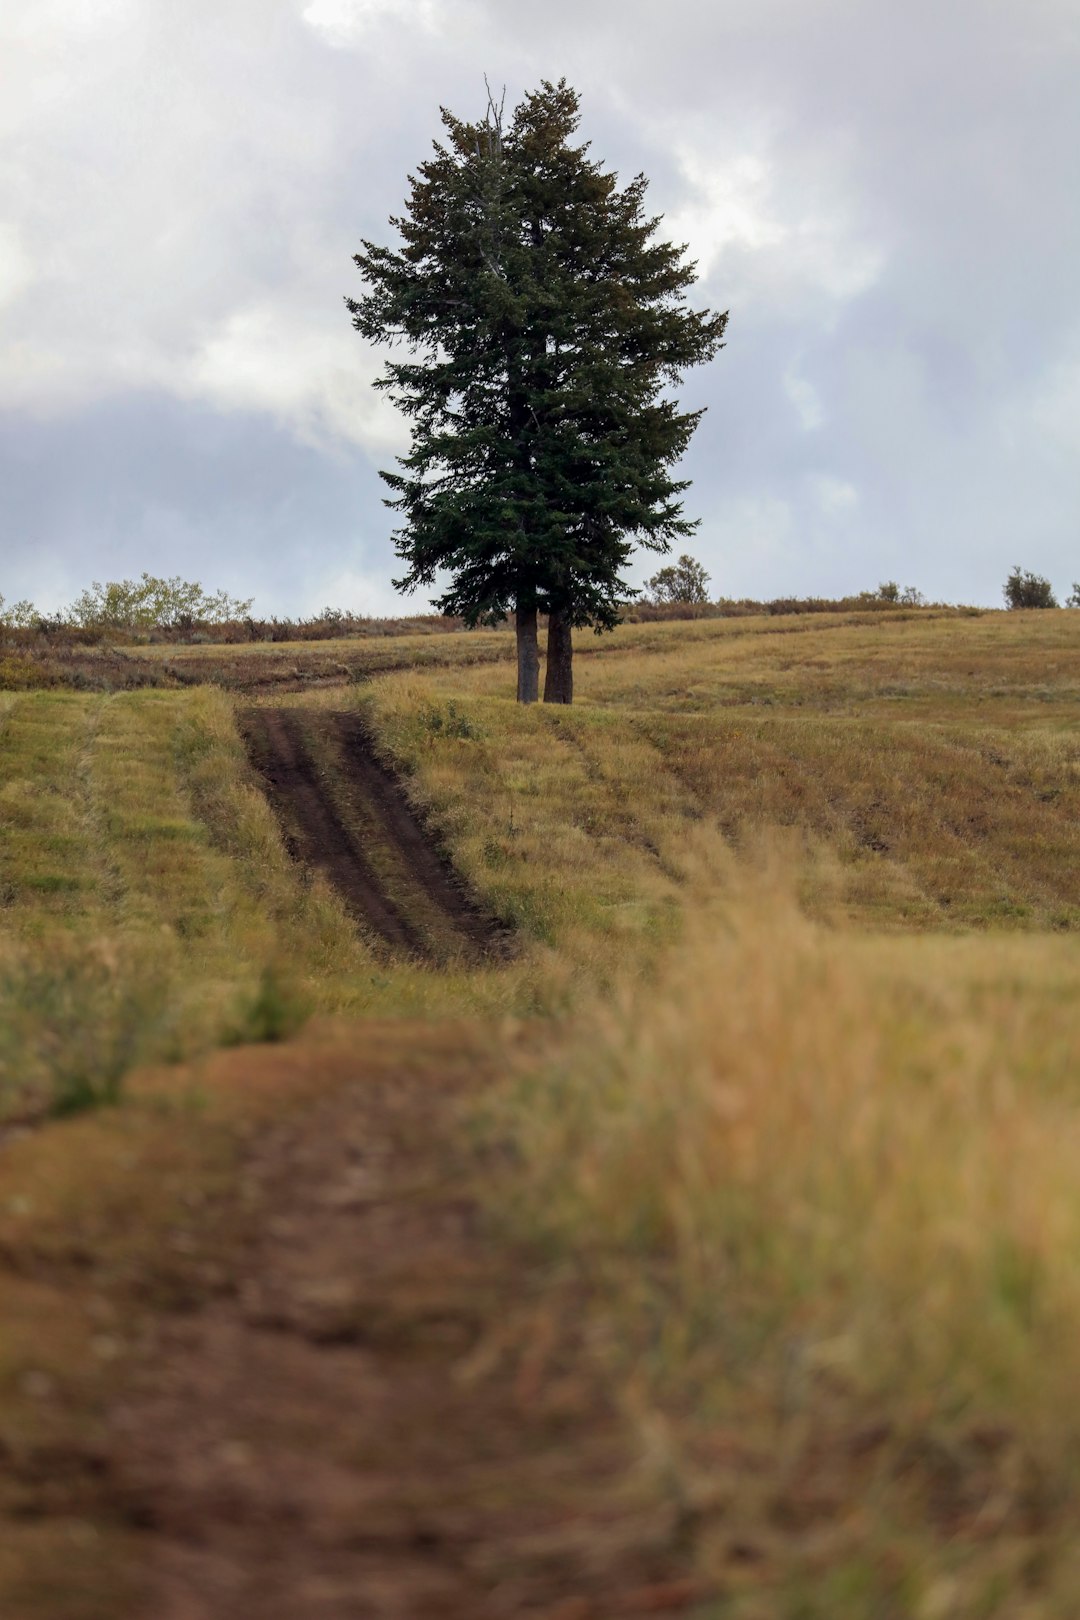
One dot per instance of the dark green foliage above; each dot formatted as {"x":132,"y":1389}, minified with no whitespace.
{"x":682,"y":581}
{"x":277,"y":1009}
{"x":1026,"y":590}
{"x":543,"y":323}
{"x":73,"y":1022}
{"x":450,"y":722}
{"x":890,"y":591}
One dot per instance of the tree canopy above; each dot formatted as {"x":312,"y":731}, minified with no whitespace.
{"x":176,"y":603}
{"x":544,"y":324}
{"x":1023,"y":589}
{"x":682,"y":581}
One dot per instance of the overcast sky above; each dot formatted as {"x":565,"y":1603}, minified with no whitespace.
{"x":885,"y":193}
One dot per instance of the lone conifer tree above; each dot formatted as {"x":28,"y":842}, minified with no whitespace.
{"x":542,"y":322}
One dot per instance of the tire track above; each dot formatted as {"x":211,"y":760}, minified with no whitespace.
{"x":351,"y":821}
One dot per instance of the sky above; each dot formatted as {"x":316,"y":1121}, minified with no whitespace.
{"x":884,"y":193}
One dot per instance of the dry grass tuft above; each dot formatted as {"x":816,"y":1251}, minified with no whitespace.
{"x":823,"y":1194}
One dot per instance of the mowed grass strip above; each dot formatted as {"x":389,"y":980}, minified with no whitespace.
{"x":47,"y":851}
{"x":134,"y":927}
{"x":543,"y":814}
{"x":927,"y":826}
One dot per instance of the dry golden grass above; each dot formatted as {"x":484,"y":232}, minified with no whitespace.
{"x":825,"y":1189}
{"x":818,"y":1159}
{"x":575,"y":819}
{"x":133,"y":832}
{"x":1007,"y":666}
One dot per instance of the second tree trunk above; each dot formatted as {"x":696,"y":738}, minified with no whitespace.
{"x":559,"y":679}
{"x":528,"y":656}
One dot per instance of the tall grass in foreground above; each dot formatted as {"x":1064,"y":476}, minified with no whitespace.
{"x":811,"y":1193}
{"x":74,"y":1020}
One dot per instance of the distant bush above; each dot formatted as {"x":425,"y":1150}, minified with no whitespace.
{"x":18,"y":673}
{"x":129,"y":606}
{"x":19,"y":616}
{"x":1024,"y":589}
{"x":682,"y":581}
{"x":176,"y":603}
{"x":1073,"y":598}
{"x":728,"y":607}
{"x":908,"y":596}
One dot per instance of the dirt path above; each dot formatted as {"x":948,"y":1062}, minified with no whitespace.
{"x":344,"y":814}
{"x":389,"y":1420}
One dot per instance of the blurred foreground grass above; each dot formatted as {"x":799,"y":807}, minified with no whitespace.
{"x":821,"y":1193}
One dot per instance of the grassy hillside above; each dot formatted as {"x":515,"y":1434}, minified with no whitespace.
{"x":797,"y":903}
{"x":928,"y":768}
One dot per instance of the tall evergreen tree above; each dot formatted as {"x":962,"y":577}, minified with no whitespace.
{"x":543,"y":323}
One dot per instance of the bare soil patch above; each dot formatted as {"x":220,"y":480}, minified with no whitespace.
{"x":386,"y":1416}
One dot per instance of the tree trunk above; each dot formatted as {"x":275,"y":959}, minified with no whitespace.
{"x":528,"y":655}
{"x":559,"y":680}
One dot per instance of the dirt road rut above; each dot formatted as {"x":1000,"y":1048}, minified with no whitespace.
{"x":344,"y":814}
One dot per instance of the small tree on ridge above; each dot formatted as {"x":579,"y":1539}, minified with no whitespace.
{"x":682,"y":581}
{"x":1024,"y":589}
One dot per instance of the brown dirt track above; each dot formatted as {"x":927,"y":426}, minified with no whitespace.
{"x":351,"y":820}
{"x":330,"y":1391}
{"x":384,"y":1419}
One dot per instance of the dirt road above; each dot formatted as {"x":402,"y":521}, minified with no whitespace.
{"x":388,"y":1419}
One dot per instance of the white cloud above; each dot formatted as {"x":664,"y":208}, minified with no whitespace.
{"x":165,"y":222}
{"x":1050,"y":413}
{"x":343,"y":23}
{"x":16,"y":265}
{"x":884,"y":195}
{"x":730,"y":204}
{"x":763,"y":233}
{"x":806,"y":400}
{"x":299,"y":369}
{"x":833,"y":496}
{"x":357,"y":591}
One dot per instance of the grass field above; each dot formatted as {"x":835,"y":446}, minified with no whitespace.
{"x":798,"y":912}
